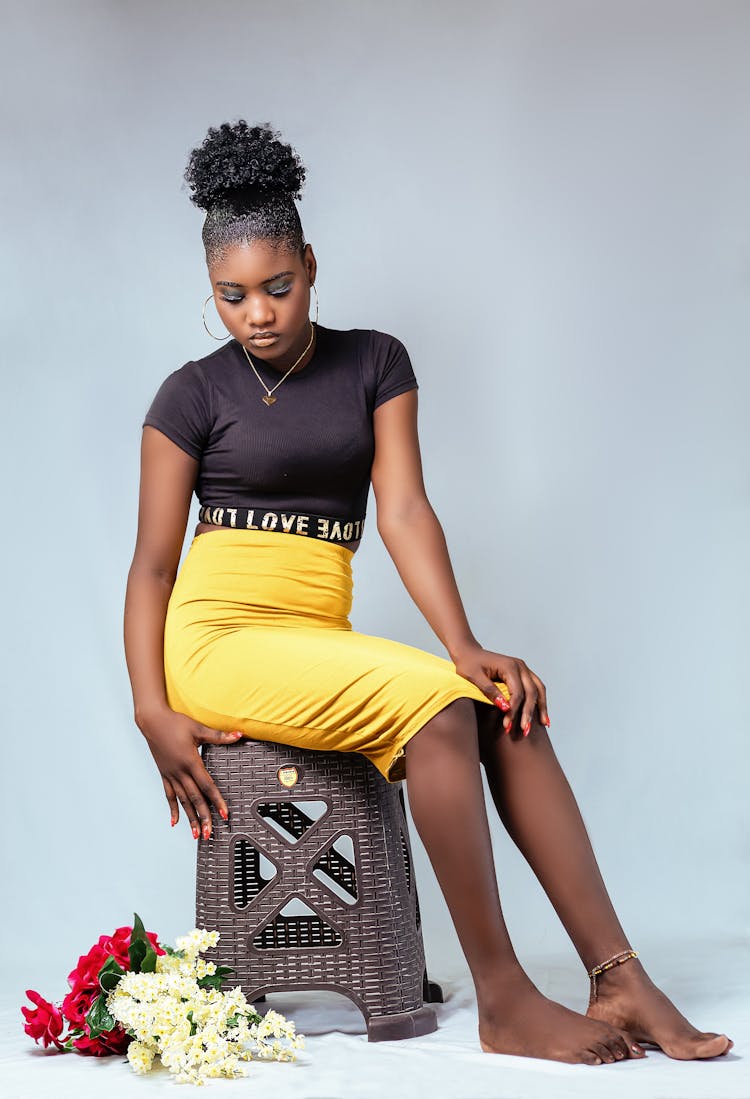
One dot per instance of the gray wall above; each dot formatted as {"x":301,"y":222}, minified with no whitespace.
{"x":548,"y":203}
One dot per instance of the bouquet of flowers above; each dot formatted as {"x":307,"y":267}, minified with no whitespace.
{"x":131,"y":995}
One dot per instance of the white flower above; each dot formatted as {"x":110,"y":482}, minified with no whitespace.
{"x":173,"y":1017}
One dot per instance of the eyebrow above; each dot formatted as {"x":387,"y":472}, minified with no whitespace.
{"x":239,"y":285}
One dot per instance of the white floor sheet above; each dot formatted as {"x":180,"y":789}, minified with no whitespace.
{"x":709,"y":983}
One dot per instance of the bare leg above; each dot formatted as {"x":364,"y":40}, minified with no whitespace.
{"x":447,"y":803}
{"x":537,"y":806}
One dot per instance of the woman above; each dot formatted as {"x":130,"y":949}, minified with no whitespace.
{"x":280,"y":431}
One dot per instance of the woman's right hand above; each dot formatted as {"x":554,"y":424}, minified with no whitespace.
{"x":173,"y":739}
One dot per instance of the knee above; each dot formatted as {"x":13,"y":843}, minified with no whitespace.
{"x":491,"y":731}
{"x":455,"y":724}
{"x":489,"y":727}
{"x":459,"y":716}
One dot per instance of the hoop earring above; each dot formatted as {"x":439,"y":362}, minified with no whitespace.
{"x":222,"y":338}
{"x":219,"y":338}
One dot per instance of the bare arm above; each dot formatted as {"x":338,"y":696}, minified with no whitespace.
{"x":414,"y":538}
{"x":167,"y":478}
{"x":146,"y":599}
{"x":409,"y":527}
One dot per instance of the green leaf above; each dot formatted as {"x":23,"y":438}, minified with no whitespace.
{"x":141,"y":953}
{"x":98,"y":1018}
{"x":110,"y":974}
{"x":215,"y":980}
{"x":210,"y":980}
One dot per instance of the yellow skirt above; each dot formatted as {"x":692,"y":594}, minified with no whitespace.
{"x":257,"y":638}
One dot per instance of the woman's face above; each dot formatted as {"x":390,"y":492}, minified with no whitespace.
{"x":261,"y":287}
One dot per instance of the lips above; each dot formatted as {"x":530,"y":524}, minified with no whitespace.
{"x":263,"y":336}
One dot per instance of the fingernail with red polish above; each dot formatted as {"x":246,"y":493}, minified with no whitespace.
{"x":224,"y":814}
{"x":196,"y":833}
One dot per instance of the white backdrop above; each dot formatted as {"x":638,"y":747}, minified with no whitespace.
{"x":547,"y":202}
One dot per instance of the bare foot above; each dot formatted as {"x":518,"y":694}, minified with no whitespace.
{"x":521,"y":1020}
{"x":627,"y":997}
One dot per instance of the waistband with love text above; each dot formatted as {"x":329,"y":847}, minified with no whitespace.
{"x":330,"y":528}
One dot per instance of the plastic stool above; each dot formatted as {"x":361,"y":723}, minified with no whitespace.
{"x":310,"y":883}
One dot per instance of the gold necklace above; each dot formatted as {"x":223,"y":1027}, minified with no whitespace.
{"x":267,"y":398}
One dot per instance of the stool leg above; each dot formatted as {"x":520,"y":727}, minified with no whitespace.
{"x":407,"y":1024}
{"x":432,"y":993}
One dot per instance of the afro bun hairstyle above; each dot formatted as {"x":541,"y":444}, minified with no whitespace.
{"x":241,"y":165}
{"x":246,"y":179}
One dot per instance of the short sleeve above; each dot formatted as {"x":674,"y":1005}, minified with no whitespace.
{"x":394,"y":373}
{"x":181,"y":409}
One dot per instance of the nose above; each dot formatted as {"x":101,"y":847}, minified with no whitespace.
{"x":259,"y":314}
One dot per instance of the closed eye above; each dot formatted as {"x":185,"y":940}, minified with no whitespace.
{"x":273,"y":293}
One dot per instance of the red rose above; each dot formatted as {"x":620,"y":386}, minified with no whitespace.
{"x":112,"y":1041}
{"x":47,"y":1021}
{"x":77,"y":1004}
{"x":87,"y":971}
{"x":44,"y":1022}
{"x":117,"y":945}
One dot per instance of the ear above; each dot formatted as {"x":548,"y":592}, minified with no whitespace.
{"x":311,"y":264}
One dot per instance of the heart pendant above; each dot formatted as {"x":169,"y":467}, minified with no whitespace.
{"x":269,"y":399}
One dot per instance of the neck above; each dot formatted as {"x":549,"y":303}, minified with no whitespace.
{"x":301,"y":349}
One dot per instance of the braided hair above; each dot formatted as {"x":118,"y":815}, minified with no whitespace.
{"x":246,"y":179}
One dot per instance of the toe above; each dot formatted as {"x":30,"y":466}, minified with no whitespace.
{"x":713,"y":1034}
{"x":619,"y":1047}
{"x":588,"y":1057}
{"x":713,"y":1047}
{"x":697,"y":1047}
{"x":632,"y":1046}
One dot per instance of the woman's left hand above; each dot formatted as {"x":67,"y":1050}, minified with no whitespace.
{"x":527,"y":692}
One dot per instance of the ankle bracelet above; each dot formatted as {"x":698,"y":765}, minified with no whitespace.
{"x":616,"y":959}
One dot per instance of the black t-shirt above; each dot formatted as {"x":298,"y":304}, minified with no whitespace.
{"x":312,"y":450}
